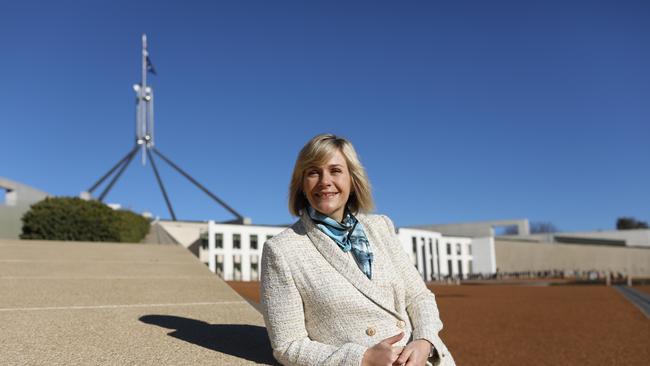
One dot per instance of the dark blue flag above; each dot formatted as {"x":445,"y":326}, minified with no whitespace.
{"x":150,"y":67}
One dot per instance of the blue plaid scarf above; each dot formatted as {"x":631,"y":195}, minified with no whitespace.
{"x":348,"y":235}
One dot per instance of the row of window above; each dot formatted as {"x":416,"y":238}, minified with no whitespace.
{"x":219,"y":258}
{"x":460,"y":273}
{"x":254,"y":270}
{"x":237,"y":271}
{"x":458,"y":246}
{"x":236,"y":241}
{"x":429,"y":272}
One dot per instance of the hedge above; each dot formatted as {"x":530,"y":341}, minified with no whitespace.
{"x":71,"y":218}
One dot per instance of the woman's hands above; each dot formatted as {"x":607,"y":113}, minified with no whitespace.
{"x":383,"y":353}
{"x":415,"y":353}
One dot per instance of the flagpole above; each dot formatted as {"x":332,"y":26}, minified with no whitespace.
{"x":144,"y":136}
{"x":143,"y":93}
{"x":144,"y":61}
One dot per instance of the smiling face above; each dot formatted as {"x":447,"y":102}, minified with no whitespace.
{"x":327,"y":186}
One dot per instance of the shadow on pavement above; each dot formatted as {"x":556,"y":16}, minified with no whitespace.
{"x":249,"y":342}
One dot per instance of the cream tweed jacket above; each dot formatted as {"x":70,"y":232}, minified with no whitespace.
{"x":320,"y":309}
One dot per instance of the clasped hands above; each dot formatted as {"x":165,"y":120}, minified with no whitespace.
{"x":385,"y":353}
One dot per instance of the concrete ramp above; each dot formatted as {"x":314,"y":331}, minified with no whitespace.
{"x":75,"y":303}
{"x":158,"y":235}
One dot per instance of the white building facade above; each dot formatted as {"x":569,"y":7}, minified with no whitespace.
{"x":234,"y":252}
{"x":436,"y":256}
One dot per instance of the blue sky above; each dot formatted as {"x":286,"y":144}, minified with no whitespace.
{"x":461,"y":111}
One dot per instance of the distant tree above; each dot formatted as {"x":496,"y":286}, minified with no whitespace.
{"x":68,"y":218}
{"x":630,"y":223}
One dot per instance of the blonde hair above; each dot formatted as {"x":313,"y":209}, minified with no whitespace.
{"x":318,"y":151}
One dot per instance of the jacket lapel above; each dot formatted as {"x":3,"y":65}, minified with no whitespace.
{"x":347,"y":268}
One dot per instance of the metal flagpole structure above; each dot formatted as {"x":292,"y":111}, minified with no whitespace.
{"x":144,"y":99}
{"x":144,"y":140}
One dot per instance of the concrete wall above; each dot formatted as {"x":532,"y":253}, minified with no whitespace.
{"x":10,"y":221}
{"x":17,"y":200}
{"x":184,"y":232}
{"x":484,"y":255}
{"x":477,"y":229}
{"x":514,"y":256}
{"x":636,"y":237}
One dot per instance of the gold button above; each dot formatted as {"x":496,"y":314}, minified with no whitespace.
{"x":371,"y":331}
{"x":401,"y":324}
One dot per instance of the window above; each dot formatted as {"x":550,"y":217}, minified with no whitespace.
{"x":269,"y":237}
{"x":415,"y":251}
{"x":237,"y":271}
{"x":253,"y":239}
{"x":237,"y":275}
{"x":424,"y":258}
{"x":204,"y":241}
{"x":458,"y":249}
{"x":470,"y":268}
{"x":460,"y":268}
{"x":469,"y":249}
{"x":219,"y":261}
{"x":431,"y":259}
{"x":218,"y":240}
{"x":449,"y":248}
{"x":450,"y":270}
{"x":236,"y":241}
{"x":437,"y":260}
{"x":254,"y":275}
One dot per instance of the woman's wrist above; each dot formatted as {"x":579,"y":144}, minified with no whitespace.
{"x":432,"y":349}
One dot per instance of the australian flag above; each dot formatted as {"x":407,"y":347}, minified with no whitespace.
{"x":150,"y":67}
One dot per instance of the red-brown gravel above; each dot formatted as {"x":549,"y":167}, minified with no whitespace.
{"x":248,"y":290}
{"x":556,"y":325}
{"x":533,"y":325}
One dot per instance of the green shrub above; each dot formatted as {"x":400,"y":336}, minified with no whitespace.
{"x":67,"y":218}
{"x":132,"y":227}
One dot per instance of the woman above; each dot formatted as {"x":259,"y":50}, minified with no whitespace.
{"x":337,"y":288}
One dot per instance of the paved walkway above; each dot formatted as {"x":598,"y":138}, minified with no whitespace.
{"x":72,"y":303}
{"x":640,"y":299}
